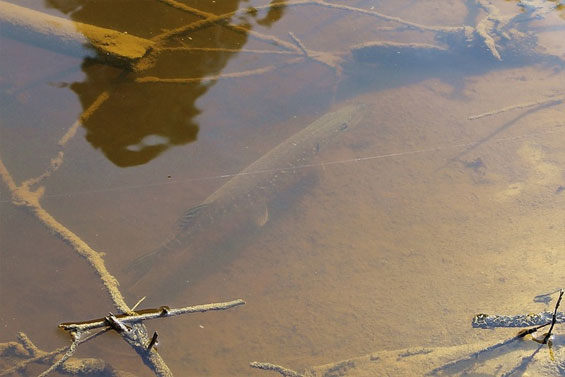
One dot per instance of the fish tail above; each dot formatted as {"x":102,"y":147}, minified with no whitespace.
{"x":143,"y":263}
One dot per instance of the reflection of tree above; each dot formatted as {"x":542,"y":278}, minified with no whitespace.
{"x":134,"y":106}
{"x":141,"y":121}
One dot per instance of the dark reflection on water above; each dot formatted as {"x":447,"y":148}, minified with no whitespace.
{"x":141,"y":121}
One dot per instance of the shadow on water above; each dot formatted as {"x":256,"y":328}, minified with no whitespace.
{"x":368,"y":71}
{"x":140,"y":122}
{"x":453,"y":61}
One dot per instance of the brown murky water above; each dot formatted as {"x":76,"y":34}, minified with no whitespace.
{"x":394,"y":235}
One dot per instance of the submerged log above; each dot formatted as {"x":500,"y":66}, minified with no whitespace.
{"x":69,"y":37}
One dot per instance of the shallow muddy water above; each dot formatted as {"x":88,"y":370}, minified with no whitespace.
{"x":440,"y":194}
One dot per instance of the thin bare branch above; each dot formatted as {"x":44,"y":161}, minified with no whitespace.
{"x":86,"y":114}
{"x":553,"y":319}
{"x":221,"y":76}
{"x":222,"y":19}
{"x":486,"y":321}
{"x":373,"y":13}
{"x":138,"y":317}
{"x":230,"y":50}
{"x":69,"y":352}
{"x":74,"y":366}
{"x":545,"y":102}
{"x":138,"y":302}
{"x":275,"y":368}
{"x":28,"y":344}
{"x":298,"y":43}
{"x":209,"y":19}
{"x":23,"y":196}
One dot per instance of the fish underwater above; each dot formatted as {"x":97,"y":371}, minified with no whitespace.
{"x":235,"y":210}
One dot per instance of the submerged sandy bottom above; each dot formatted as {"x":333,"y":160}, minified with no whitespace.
{"x":439,"y":219}
{"x":419,"y":219}
{"x":400,"y":249}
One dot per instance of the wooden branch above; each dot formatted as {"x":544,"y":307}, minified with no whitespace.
{"x":71,"y":37}
{"x":28,"y":344}
{"x":275,"y":368}
{"x":554,"y":318}
{"x":298,"y":43}
{"x":138,"y":340}
{"x":26,"y":350}
{"x":485,"y":321}
{"x":221,"y":76}
{"x":209,"y":19}
{"x":545,"y":102}
{"x":382,"y":16}
{"x":136,"y":337}
{"x":153,"y":341}
{"x":57,"y":161}
{"x":32,"y":354}
{"x":68,"y":353}
{"x":22,"y":195}
{"x":230,"y":50}
{"x":84,"y":116}
{"x":142,"y":315}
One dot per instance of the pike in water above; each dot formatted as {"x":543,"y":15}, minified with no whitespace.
{"x":237,"y":208}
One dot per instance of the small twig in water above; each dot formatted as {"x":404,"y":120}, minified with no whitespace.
{"x":275,"y":368}
{"x":554,"y":319}
{"x":234,"y":75}
{"x":138,"y":302}
{"x":70,"y":351}
{"x":299,"y":43}
{"x":546,"y":102}
{"x":26,"y":350}
{"x":153,"y":341}
{"x":142,"y":315}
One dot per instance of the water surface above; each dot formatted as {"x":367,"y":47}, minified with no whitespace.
{"x":395,"y":237}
